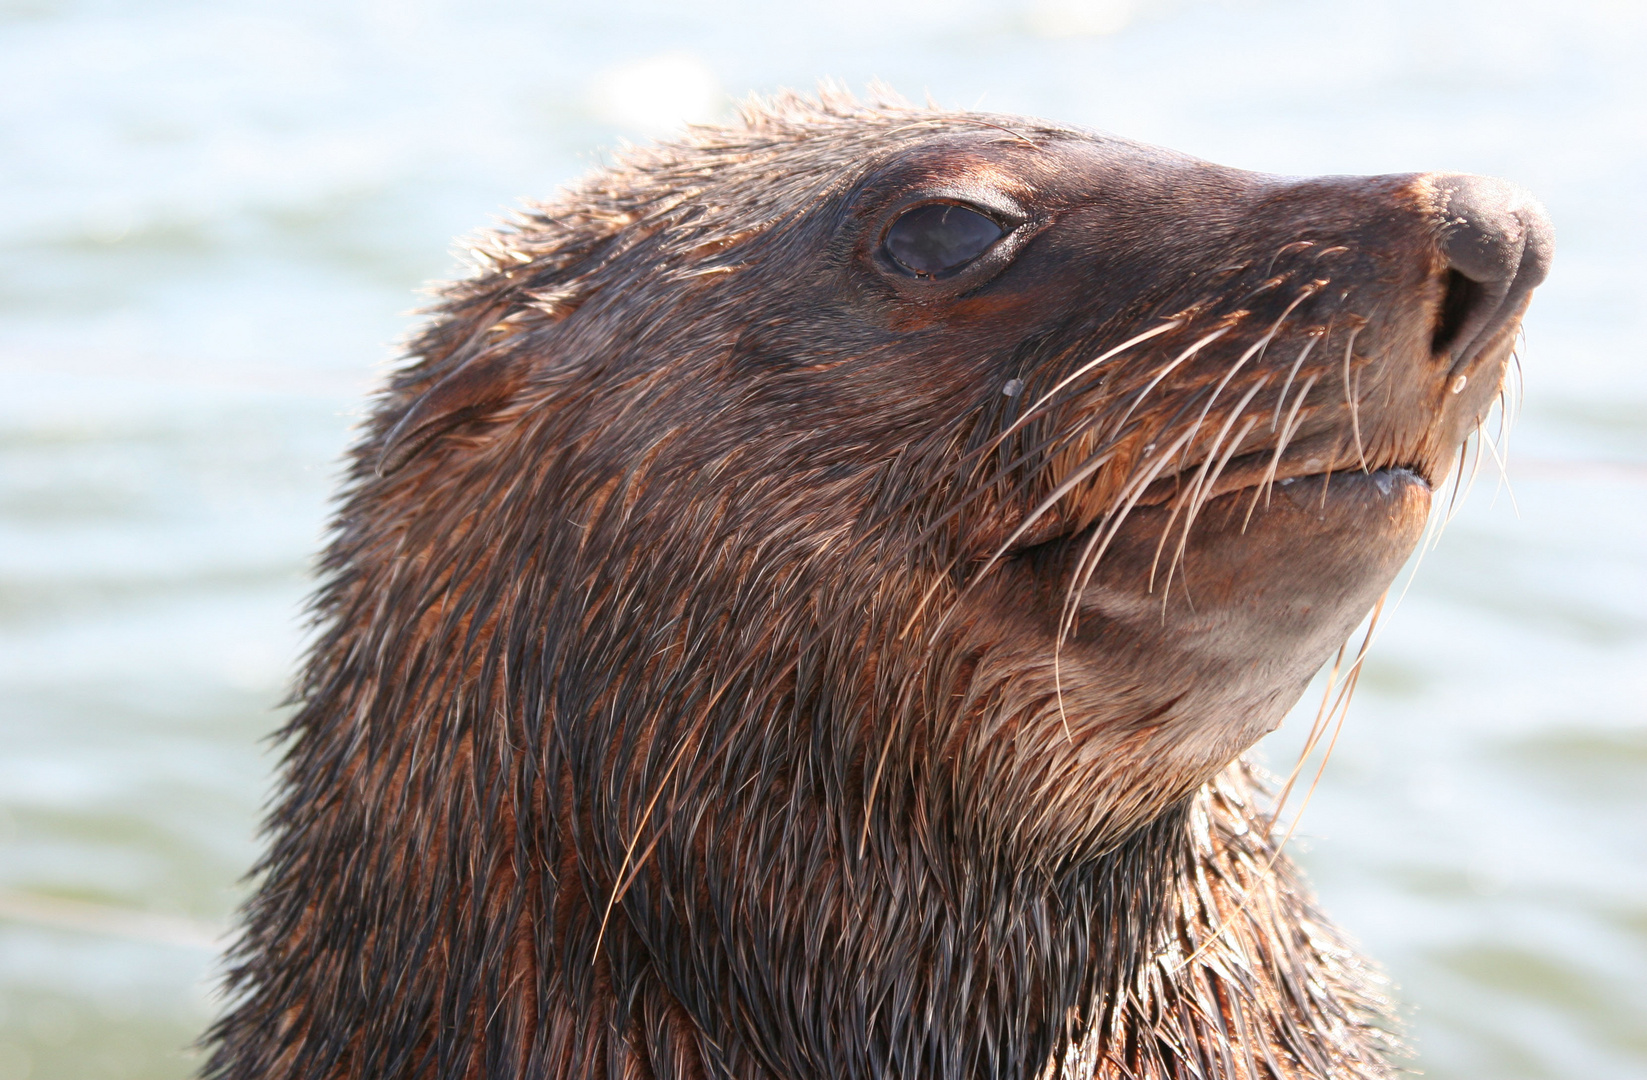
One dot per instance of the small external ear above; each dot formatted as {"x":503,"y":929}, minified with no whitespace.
{"x":477,"y":387}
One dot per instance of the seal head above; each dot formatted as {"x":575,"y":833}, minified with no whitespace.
{"x":791,"y":616}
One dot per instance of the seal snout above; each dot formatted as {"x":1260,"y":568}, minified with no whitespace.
{"x":1497,"y":241}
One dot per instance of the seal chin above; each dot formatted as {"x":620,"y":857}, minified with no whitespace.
{"x":1254,"y":605}
{"x":1225,"y":625}
{"x":1135,"y":684}
{"x":1264,"y":580}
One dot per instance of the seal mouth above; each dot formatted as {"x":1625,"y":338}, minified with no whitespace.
{"x":1258,"y":472}
{"x":1251,"y":595}
{"x":1383,"y":479}
{"x":1241,"y":490}
{"x":1269,"y":532}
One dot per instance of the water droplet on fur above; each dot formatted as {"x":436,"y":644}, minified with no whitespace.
{"x":1458,"y":383}
{"x":1013,"y":388}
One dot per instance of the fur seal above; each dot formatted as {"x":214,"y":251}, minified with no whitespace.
{"x":799,"y":610}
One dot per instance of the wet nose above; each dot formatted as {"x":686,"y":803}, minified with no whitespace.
{"x":1497,"y":240}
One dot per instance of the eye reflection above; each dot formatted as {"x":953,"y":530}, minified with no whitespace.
{"x":939,"y":237}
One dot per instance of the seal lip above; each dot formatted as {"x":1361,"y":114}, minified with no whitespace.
{"x":1251,"y":472}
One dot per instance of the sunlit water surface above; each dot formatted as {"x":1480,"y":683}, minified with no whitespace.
{"x":212,"y":219}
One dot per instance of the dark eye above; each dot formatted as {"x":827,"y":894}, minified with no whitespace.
{"x":938,"y":237}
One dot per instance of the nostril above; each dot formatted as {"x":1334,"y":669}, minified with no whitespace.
{"x":1462,"y":296}
{"x":1497,"y":241}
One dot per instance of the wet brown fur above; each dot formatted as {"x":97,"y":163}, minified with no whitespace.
{"x":660,"y":725}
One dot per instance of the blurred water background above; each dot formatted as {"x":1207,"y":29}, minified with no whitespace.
{"x":213,"y":215}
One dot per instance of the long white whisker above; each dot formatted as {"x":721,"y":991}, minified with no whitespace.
{"x":1256,"y":347}
{"x":1086,"y":565}
{"x":1203,"y":486}
{"x":1092,"y":466}
{"x":1462,"y":491}
{"x":1501,"y":460}
{"x":1315,"y":339}
{"x":1187,"y":496}
{"x":1352,"y":401}
{"x":1287,"y":432}
{"x":1035,"y":515}
{"x":1085,"y":471}
{"x":1164,"y":372}
{"x":1195,"y":428}
{"x":1082,"y":370}
{"x":1455,"y":484}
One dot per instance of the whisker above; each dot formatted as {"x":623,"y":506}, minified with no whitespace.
{"x":1518,"y":381}
{"x":1203,"y":496}
{"x":1198,"y":484}
{"x":1501,"y":459}
{"x":1287,"y":432}
{"x":1255,"y":348}
{"x":1287,"y":249}
{"x":983,"y":485}
{"x":1303,"y":294}
{"x":1324,"y":713}
{"x":1431,"y":529}
{"x":1040,"y":511}
{"x":1318,"y":727}
{"x":1352,"y":399}
{"x":1454,"y":481}
{"x":1087,"y":469}
{"x":1461,"y":492}
{"x":1058,"y":387}
{"x":1314,"y":340}
{"x":1086,"y":565}
{"x":980,"y":485}
{"x":1180,"y":498}
{"x":1164,"y":372}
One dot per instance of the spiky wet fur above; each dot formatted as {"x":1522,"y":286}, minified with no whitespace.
{"x":594,"y":773}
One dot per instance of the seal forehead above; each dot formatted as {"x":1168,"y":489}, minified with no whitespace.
{"x":956,"y":165}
